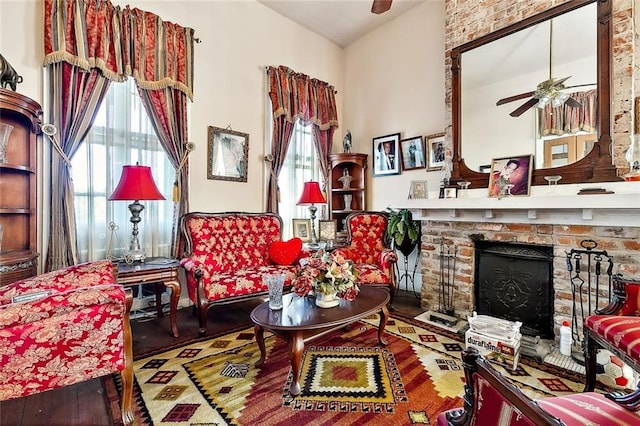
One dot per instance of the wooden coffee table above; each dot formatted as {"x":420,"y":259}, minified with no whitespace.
{"x":300,"y":321}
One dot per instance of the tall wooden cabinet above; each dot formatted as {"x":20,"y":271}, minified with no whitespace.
{"x":347,"y":195}
{"x":18,"y":256}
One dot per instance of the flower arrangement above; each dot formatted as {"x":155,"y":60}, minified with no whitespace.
{"x":327,"y":273}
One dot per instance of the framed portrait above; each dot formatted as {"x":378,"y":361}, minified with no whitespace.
{"x":385,"y":154}
{"x":412,"y":151}
{"x":418,"y":190}
{"x":227,"y":154}
{"x":302,"y":229}
{"x":510,"y":176}
{"x":435,"y":151}
{"x":327,"y":230}
{"x":450,"y":192}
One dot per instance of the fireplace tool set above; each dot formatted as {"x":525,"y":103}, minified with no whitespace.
{"x":588,"y":284}
{"x":447,"y":278}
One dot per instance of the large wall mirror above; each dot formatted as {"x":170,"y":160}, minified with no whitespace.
{"x":571,"y":40}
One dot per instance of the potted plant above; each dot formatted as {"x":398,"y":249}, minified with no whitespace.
{"x":402,"y":230}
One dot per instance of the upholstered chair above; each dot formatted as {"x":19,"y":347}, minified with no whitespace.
{"x":65,"y":327}
{"x":369,"y":249}
{"x":490,"y":399}
{"x":617,"y":329}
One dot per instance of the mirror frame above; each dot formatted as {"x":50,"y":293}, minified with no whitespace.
{"x":597,"y":165}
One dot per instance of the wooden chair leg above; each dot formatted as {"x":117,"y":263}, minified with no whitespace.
{"x":126,"y":375}
{"x":590,"y":350}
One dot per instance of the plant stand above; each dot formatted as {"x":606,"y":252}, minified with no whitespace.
{"x":409,"y":273}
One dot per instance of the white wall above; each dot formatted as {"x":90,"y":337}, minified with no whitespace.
{"x":394,"y":78}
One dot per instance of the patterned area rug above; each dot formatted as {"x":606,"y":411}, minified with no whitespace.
{"x":346,"y":378}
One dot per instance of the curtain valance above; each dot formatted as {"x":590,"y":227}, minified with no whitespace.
{"x":567,"y":119}
{"x":119,"y":42}
{"x":298,"y":96}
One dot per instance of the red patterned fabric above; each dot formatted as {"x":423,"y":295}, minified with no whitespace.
{"x":588,"y":408}
{"x":71,"y":335}
{"x":367,"y":249}
{"x":232,"y":251}
{"x":622,"y":331}
{"x":491,"y":408}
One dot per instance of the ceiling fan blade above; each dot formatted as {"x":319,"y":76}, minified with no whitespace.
{"x":560,"y":81}
{"x":522,"y":108}
{"x":573,"y":103}
{"x":380,"y":6}
{"x":514,"y":98}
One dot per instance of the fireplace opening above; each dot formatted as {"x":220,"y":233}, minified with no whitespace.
{"x":514,"y":281}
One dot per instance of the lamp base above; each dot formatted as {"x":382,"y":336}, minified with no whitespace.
{"x":136,"y":255}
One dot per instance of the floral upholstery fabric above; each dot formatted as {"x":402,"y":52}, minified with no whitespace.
{"x":372,"y":258}
{"x":231,"y":250}
{"x":73,"y":334}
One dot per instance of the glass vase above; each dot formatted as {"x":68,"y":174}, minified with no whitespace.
{"x":5,"y":131}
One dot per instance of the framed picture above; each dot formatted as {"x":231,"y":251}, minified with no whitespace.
{"x":435,"y":151}
{"x":412,"y":153}
{"x":510,"y":176}
{"x":385,"y":154}
{"x":450,"y":192}
{"x":302,"y":229}
{"x":227,"y":154}
{"x":328,"y":230}
{"x":418,"y":190}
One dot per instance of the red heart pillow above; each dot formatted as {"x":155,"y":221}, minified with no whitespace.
{"x":285,"y":252}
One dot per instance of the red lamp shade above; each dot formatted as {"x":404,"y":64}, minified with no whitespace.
{"x":311,"y":194}
{"x":136,"y":183}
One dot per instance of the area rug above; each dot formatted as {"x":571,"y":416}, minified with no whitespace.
{"x":346,"y":378}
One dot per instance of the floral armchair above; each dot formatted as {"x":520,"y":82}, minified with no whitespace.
{"x":369,"y":250}
{"x":617,"y":329}
{"x":65,"y":327}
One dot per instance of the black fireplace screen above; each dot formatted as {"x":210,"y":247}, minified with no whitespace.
{"x":515,"y":282}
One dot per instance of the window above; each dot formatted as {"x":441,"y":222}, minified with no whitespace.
{"x":121,"y":134}
{"x":300,"y":165}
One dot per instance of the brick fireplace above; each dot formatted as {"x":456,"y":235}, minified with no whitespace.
{"x":559,"y":222}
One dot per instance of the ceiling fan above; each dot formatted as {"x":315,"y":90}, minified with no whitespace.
{"x":548,"y":91}
{"x":380,"y":6}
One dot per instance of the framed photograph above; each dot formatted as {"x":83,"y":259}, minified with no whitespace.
{"x":385,"y":154}
{"x":227,"y":154}
{"x":412,"y":153}
{"x":302,"y":229}
{"x":435,"y":151}
{"x":450,"y":192}
{"x":328,"y":230}
{"x":418,"y":190}
{"x":510,"y":176}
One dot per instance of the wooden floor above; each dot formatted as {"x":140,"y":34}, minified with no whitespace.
{"x":85,"y":403}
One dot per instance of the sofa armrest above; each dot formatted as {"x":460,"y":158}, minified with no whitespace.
{"x":109,"y":296}
{"x":83,"y":275}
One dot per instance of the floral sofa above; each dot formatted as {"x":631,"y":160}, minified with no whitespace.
{"x":65,"y":327}
{"x":226,"y":255}
{"x":490,"y":399}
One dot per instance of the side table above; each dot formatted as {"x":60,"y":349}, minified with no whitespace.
{"x":161,"y":271}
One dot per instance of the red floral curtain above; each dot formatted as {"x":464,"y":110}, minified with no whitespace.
{"x":295,"y":96}
{"x":93,"y":34}
{"x":568,"y":119}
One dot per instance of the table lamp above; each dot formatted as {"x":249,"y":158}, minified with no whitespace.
{"x":312,"y":195}
{"x":136,"y":183}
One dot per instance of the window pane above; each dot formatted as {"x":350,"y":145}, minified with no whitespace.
{"x":121,"y":135}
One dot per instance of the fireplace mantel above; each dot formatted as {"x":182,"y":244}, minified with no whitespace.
{"x":560,"y":205}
